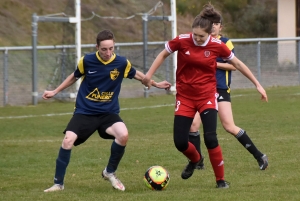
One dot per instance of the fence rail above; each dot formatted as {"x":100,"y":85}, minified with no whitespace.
{"x":274,"y":61}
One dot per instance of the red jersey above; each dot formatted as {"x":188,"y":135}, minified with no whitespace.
{"x":196,"y":65}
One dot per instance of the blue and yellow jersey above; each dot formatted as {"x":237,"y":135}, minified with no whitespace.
{"x":224,"y":76}
{"x":101,"y":83}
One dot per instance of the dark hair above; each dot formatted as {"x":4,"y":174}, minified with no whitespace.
{"x":104,"y":35}
{"x":207,"y":17}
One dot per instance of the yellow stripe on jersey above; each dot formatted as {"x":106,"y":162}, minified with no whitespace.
{"x":226,"y":76}
{"x":127,"y":69}
{"x":229,"y":44}
{"x":80,"y":65}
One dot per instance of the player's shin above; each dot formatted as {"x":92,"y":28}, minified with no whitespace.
{"x":62,"y":162}
{"x":117,"y":152}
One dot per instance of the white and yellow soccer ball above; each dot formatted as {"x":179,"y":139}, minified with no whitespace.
{"x":157,"y":178}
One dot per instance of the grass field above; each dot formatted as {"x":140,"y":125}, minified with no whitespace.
{"x":31,"y":136}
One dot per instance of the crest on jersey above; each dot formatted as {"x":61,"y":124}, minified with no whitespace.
{"x":206,"y":53}
{"x":114,"y":74}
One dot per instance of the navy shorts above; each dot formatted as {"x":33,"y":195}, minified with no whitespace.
{"x":224,"y":95}
{"x":85,"y":125}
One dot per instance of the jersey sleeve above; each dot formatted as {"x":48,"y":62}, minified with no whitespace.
{"x":173,"y":45}
{"x":230,"y":45}
{"x":226,"y":53}
{"x":80,"y":68}
{"x":129,"y":71}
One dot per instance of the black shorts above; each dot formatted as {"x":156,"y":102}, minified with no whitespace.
{"x":224,"y":95}
{"x":85,"y":125}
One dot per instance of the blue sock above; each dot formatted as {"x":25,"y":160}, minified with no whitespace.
{"x":117,"y":152}
{"x":62,"y":162}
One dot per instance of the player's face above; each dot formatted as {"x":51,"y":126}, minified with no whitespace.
{"x":106,"y":49}
{"x":216,"y":29}
{"x":200,"y":35}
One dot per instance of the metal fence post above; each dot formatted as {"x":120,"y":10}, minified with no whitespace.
{"x":298,"y":60}
{"x":258,"y":62}
{"x":63,"y":65}
{"x":5,"y":77}
{"x":34,"y":59}
{"x":145,"y":52}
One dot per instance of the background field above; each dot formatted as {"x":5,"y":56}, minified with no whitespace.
{"x":30,"y":137}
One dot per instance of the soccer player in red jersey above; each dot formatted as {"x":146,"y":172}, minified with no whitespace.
{"x":196,"y":88}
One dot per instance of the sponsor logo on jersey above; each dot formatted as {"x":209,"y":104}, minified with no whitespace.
{"x":187,"y":52}
{"x":95,"y":95}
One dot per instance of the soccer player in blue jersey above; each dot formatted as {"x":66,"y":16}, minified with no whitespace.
{"x":223,"y":76}
{"x":97,"y":106}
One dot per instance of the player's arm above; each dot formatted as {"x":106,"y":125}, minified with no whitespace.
{"x":162,"y":85}
{"x":238,"y":64}
{"x":139,"y":76}
{"x":225,"y":66}
{"x":155,"y":65}
{"x":65,"y":84}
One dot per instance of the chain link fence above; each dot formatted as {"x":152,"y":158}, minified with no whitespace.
{"x":55,"y":63}
{"x":275,"y":62}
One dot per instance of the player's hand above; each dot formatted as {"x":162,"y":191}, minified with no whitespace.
{"x":162,"y":85}
{"x":48,"y":94}
{"x":263,"y":93}
{"x":147,"y":81}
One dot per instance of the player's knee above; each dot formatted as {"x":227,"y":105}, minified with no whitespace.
{"x":210,"y":140}
{"x":230,"y":128}
{"x":122,"y":138}
{"x":69,"y":140}
{"x":181,"y":145}
{"x":227,"y":129}
{"x":67,"y":143}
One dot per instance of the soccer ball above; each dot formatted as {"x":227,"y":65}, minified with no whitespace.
{"x":157,"y":178}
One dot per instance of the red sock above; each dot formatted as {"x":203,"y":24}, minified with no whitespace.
{"x":216,"y":160}
{"x":192,"y":153}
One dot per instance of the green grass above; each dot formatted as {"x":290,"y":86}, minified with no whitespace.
{"x":29,"y":148}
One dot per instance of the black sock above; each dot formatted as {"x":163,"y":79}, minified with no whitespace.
{"x":62,"y":162}
{"x":244,"y":139}
{"x":194,"y":138}
{"x":117,"y":152}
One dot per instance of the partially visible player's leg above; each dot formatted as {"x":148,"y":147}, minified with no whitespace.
{"x":119,"y":131}
{"x":77,"y":132}
{"x":226,"y":118}
{"x":62,"y":161}
{"x":209,"y":121}
{"x":195,"y":139}
{"x":185,"y":111}
{"x":182,"y":125}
